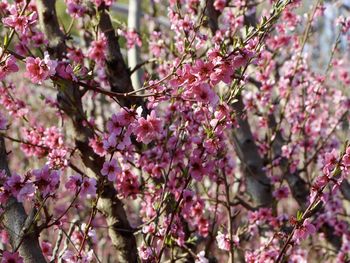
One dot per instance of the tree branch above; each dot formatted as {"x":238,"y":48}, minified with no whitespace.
{"x":117,"y":72}
{"x":258,"y":184}
{"x":15,"y":219}
{"x":69,"y":101}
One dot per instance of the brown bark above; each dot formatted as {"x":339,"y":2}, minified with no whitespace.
{"x":18,"y":225}
{"x":117,"y":72}
{"x":258,"y":184}
{"x":69,"y":100}
{"x":213,"y":16}
{"x":297,"y":185}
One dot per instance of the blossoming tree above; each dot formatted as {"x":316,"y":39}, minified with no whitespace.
{"x":230,"y":144}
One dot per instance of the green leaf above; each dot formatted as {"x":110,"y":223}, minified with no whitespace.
{"x":299,"y":215}
{"x":192,"y":240}
{"x":168,"y":241}
{"x":6,"y":39}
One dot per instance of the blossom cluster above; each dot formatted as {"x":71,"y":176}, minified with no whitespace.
{"x":233,"y":148}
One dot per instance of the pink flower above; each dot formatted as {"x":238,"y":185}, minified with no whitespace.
{"x":72,"y":257}
{"x":4,"y":236}
{"x":76,"y":55}
{"x":223,"y":241}
{"x":280,"y":193}
{"x":57,"y":158}
{"x":8,"y":257}
{"x":46,"y":248}
{"x":106,"y":2}
{"x":304,"y":230}
{"x":26,"y":192}
{"x":119,"y":121}
{"x":344,"y":23}
{"x":7,"y":66}
{"x":197,"y":170}
{"x":346,"y":158}
{"x":201,"y":257}
{"x":76,"y":10}
{"x":97,"y":145}
{"x":204,"y":93}
{"x":145,"y":253}
{"x":19,"y":188}
{"x":87,"y":186}
{"x":127,"y":184}
{"x":65,"y":71}
{"x":46,"y":180}
{"x":39,"y":70}
{"x":203,"y":226}
{"x":97,"y":50}
{"x":14,"y":183}
{"x":202,"y":69}
{"x":19,"y":23}
{"x":219,"y":5}
{"x":331,"y":159}
{"x":111,"y":169}
{"x":148,"y":129}
{"x":74,"y":182}
{"x":132,"y":38}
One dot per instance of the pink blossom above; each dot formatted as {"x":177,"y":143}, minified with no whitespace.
{"x":19,"y":187}
{"x":97,"y":145}
{"x":86,"y":185}
{"x":111,"y":169}
{"x":281,"y":192}
{"x":148,"y":129}
{"x":74,"y":182}
{"x":72,"y":257}
{"x":39,"y":70}
{"x":100,"y":2}
{"x":219,"y":5}
{"x":201,"y":257}
{"x":132,"y":38}
{"x":331,"y":159}
{"x":75,"y":55}
{"x":223,"y":241}
{"x":19,"y":23}
{"x":223,"y":72}
{"x":146,"y":253}
{"x":128,"y":184}
{"x":4,"y":236}
{"x":57,"y":158}
{"x":344,"y":23}
{"x":156,"y":44}
{"x":197,"y":170}
{"x":26,"y":192}
{"x":346,"y":158}
{"x":203,"y":69}
{"x":8,"y":257}
{"x":304,"y":230}
{"x":65,"y":71}
{"x":204,"y":93}
{"x":119,"y":121}
{"x":7,"y":66}
{"x":97,"y":50}
{"x":46,"y":180}
{"x":46,"y":248}
{"x":203,"y":226}
{"x":75,"y":9}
